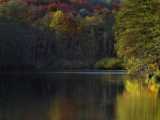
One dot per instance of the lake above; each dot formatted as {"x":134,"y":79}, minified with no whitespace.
{"x":72,"y":95}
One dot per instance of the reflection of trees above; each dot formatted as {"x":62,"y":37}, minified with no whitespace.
{"x":138,"y":103}
{"x":138,"y":108}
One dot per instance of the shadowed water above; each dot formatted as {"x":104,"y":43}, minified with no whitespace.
{"x":60,"y":95}
{"x":66,"y":96}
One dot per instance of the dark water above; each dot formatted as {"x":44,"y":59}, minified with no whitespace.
{"x":60,"y":95}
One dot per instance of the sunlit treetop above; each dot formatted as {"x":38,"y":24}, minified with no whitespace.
{"x":62,"y":22}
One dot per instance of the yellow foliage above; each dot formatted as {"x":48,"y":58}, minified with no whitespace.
{"x":57,"y":20}
{"x":153,"y":67}
{"x":62,"y":22}
{"x":93,"y":20}
{"x":90,"y":21}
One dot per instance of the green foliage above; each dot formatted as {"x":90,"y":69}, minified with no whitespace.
{"x":15,"y":10}
{"x":138,"y":33}
{"x":110,"y":63}
{"x":43,"y":22}
{"x":75,"y":34}
{"x":92,"y":20}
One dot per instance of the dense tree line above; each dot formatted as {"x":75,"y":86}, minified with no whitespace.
{"x":82,"y":32}
{"x":138,"y":36}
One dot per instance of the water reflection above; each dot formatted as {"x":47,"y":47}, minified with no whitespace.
{"x":74,"y":96}
{"x":59,"y":96}
{"x":142,"y":106}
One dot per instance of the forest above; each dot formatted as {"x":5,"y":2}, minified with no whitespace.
{"x":137,"y":34}
{"x":101,"y":56}
{"x":57,"y":34}
{"x":46,"y":48}
{"x":81,"y":34}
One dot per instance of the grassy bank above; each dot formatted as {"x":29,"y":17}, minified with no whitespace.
{"x":109,"y":63}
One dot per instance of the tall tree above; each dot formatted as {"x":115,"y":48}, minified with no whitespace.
{"x":138,"y":34}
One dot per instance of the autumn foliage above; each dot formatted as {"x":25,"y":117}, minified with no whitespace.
{"x":65,"y":16}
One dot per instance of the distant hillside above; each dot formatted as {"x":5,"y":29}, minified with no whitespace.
{"x":54,"y":35}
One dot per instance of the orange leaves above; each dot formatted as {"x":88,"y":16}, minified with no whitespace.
{"x":3,"y":1}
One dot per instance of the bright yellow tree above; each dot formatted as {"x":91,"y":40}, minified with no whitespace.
{"x":62,"y":22}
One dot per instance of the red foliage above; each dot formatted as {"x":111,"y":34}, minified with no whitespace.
{"x":116,"y":6}
{"x":101,"y":9}
{"x":3,"y":1}
{"x":50,"y":5}
{"x":60,"y":6}
{"x":80,"y":1}
{"x":29,"y":2}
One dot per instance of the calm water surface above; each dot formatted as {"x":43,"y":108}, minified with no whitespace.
{"x":64,"y":96}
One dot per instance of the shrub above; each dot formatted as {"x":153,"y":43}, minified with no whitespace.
{"x":110,"y":63}
{"x":14,"y":9}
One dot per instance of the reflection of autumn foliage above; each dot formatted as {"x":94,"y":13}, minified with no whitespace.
{"x":63,"y":109}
